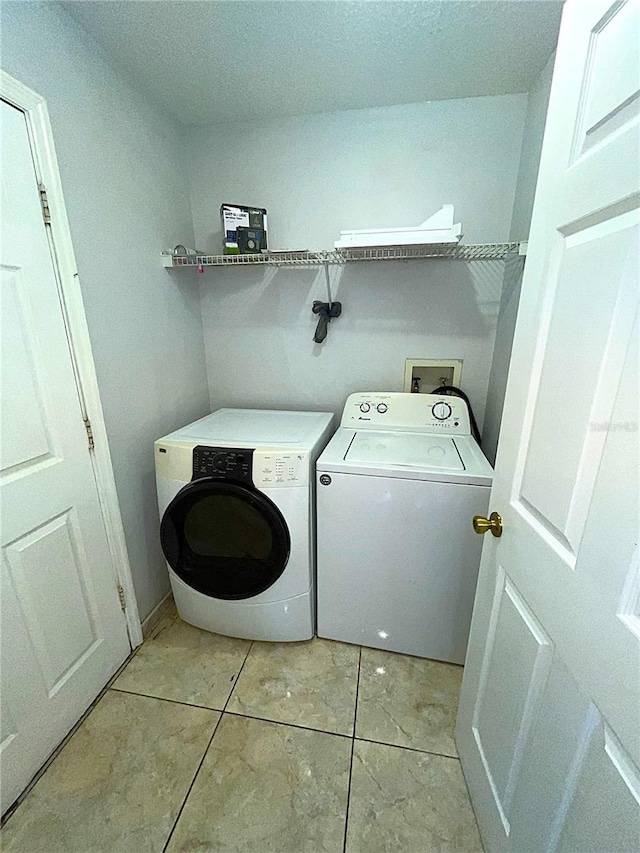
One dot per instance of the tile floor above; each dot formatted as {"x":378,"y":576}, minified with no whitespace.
{"x":206,"y":743}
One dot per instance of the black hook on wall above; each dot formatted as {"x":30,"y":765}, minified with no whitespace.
{"x":326,"y":311}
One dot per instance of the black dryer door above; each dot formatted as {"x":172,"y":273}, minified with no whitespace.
{"x":225,"y":539}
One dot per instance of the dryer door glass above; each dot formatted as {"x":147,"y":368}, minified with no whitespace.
{"x":225,"y":539}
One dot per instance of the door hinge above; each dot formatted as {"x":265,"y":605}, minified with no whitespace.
{"x":87,"y":426}
{"x":123,"y":601}
{"x":44,"y":201}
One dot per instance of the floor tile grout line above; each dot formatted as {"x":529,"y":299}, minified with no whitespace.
{"x":166,"y":699}
{"x":353,"y":744}
{"x":409,"y":748}
{"x":355,"y":709}
{"x":180,"y":701}
{"x":195,"y":776}
{"x":237,"y":678}
{"x":204,"y":755}
{"x":290,"y":725}
{"x":233,"y":713}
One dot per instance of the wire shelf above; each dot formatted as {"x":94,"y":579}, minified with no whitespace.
{"x":473,"y":252}
{"x":269,"y":259}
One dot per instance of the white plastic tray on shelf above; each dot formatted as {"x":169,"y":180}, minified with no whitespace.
{"x":439,"y":229}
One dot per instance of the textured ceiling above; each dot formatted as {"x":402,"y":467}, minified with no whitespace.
{"x":208,"y":62}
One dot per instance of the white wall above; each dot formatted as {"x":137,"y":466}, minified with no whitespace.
{"x":124,"y":183}
{"x":364,"y":168}
{"x":501,"y":355}
{"x":537,"y":104}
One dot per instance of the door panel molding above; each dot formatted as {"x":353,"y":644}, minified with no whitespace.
{"x":507,"y":604}
{"x":610,"y":104}
{"x":548,"y":441}
{"x":589,"y":726}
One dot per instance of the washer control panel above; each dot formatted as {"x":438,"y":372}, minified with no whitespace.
{"x":280,"y":468}
{"x":225,"y":463}
{"x":438,"y":413}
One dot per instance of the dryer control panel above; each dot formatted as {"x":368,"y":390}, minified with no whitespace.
{"x":226,"y":463}
{"x":434,"y":413}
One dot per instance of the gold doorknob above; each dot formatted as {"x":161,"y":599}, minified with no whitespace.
{"x":493,"y":523}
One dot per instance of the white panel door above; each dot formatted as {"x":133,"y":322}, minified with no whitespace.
{"x":549,"y":722}
{"x":63,"y":633}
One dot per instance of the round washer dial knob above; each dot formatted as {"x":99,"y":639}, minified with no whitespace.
{"x":364,"y":407}
{"x":382,"y":408}
{"x":441,"y":411}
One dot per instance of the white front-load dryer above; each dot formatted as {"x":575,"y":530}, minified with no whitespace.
{"x":237,"y":520}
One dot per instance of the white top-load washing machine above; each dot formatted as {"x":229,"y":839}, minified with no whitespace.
{"x":235,"y":493}
{"x":398,"y":560}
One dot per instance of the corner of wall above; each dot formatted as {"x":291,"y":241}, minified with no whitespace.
{"x":533,"y":134}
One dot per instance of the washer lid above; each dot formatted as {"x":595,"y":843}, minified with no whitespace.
{"x":415,"y":450}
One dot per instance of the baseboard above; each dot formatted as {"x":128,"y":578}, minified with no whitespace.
{"x":157,"y":614}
